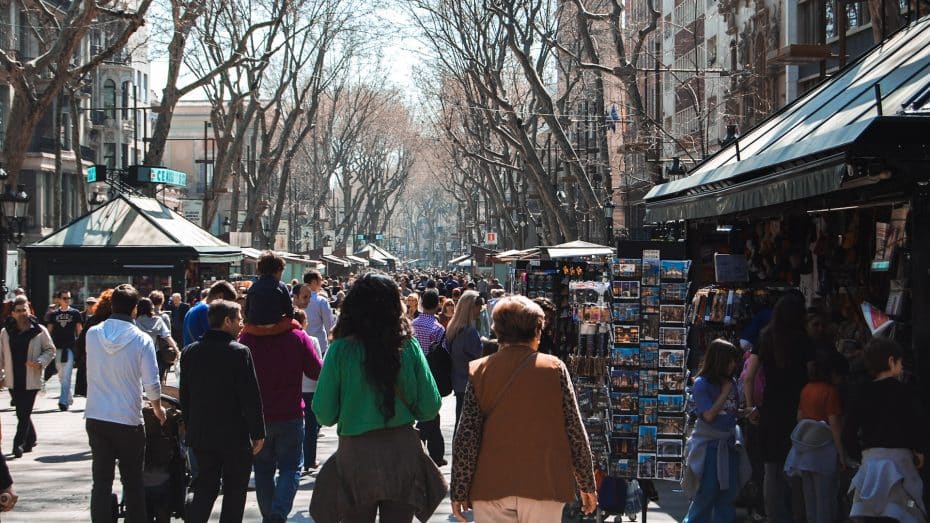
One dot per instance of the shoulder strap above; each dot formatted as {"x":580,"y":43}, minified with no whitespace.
{"x":500,"y":395}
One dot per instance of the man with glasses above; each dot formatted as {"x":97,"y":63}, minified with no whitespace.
{"x":65,"y":325}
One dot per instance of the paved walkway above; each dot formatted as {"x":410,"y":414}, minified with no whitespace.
{"x":53,"y":482}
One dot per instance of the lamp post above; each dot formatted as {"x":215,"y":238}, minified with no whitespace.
{"x":676,"y":171}
{"x":97,"y":199}
{"x":13,"y":205}
{"x":609,"y":219}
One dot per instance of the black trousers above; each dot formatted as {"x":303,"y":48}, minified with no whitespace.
{"x":431,"y":433}
{"x":25,"y":430}
{"x":109,"y":443}
{"x":234,"y":466}
{"x":387,"y":512}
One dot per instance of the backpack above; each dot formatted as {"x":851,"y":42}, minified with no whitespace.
{"x":440,"y":365}
{"x":758,"y":389}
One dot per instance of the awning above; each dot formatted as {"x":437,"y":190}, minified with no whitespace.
{"x":356,"y":260}
{"x":577,"y":249}
{"x":801,"y":150}
{"x":514,"y":255}
{"x":132,"y":222}
{"x":377,"y":253}
{"x":329,"y":258}
{"x":458,"y":259}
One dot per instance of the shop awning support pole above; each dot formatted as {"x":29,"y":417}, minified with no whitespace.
{"x":878,"y":98}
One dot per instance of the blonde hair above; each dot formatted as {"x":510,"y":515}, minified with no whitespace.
{"x":464,"y":313}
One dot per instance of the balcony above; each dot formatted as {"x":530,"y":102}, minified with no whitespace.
{"x":88,"y":154}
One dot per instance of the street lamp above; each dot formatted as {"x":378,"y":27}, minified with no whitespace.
{"x":97,"y":199}
{"x":676,"y":170}
{"x":13,"y":206}
{"x":609,"y":218}
{"x":226,"y":224}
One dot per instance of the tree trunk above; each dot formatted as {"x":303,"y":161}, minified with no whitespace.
{"x":57,"y":210}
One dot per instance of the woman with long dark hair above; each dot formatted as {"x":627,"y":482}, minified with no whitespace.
{"x":375,"y":383}
{"x":784,"y":353}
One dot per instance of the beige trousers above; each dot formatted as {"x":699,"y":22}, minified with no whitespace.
{"x":514,"y":509}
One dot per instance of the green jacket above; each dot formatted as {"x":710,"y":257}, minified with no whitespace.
{"x":344,"y":397}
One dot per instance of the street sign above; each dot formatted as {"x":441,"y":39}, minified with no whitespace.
{"x":379,"y":236}
{"x":142,"y":174}
{"x":96,"y":173}
{"x":360,"y":237}
{"x":490,"y":238}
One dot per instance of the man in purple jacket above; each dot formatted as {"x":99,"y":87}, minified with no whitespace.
{"x":283,"y":354}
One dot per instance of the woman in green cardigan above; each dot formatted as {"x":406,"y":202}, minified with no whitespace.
{"x":374,"y":385}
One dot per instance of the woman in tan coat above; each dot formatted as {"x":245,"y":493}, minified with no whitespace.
{"x":520,"y":451}
{"x":25,"y":349}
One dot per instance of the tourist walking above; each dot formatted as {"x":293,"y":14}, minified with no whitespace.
{"x":222,"y":410}
{"x":464,"y":344}
{"x":431,"y":336}
{"x":320,"y":318}
{"x":65,"y":325}
{"x":283,"y":354}
{"x":25,"y":349}
{"x":520,"y":451}
{"x":154,"y":325}
{"x":375,"y":384}
{"x":98,"y":314}
{"x":121,"y":369}
{"x":195,"y":321}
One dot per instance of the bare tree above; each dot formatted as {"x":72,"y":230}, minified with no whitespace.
{"x":56,"y":37}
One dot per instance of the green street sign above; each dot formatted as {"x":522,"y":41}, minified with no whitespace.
{"x":96,"y":173}
{"x":144,"y":174}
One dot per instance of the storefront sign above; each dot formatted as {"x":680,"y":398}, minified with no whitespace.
{"x":157,"y":175}
{"x":96,"y":173}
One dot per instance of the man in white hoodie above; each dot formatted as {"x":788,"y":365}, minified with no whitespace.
{"x":121,"y":367}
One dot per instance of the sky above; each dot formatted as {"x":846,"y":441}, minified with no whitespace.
{"x":401,"y":54}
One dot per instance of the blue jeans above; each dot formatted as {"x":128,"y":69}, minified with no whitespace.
{"x":283,"y":451}
{"x":64,"y":375}
{"x":710,"y":503}
{"x":311,"y":431}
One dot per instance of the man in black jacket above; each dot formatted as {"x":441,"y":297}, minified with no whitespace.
{"x":222,"y":409}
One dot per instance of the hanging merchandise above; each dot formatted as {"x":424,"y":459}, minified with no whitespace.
{"x":647,"y":367}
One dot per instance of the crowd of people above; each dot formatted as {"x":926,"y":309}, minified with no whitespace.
{"x":263,"y":367}
{"x":827,"y":436}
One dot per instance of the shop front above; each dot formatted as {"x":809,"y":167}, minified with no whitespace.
{"x":130,"y":239}
{"x":831,"y":196}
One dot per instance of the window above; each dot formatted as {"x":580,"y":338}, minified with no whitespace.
{"x":109,"y":155}
{"x":145,"y":87}
{"x":109,"y":98}
{"x":125,"y":99}
{"x":125,"y":155}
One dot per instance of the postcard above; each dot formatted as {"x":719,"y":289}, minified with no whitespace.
{"x":627,"y":401}
{"x":626,"y":334}
{"x":674,"y":292}
{"x":626,"y":311}
{"x":648,"y":411}
{"x":674,"y":269}
{"x":648,"y":383}
{"x":672,"y":381}
{"x":671,"y":425}
{"x":649,"y":354}
{"x":670,"y":448}
{"x":672,"y":313}
{"x":650,"y":328}
{"x":671,"y":403}
{"x":647,"y":466}
{"x":672,"y":335}
{"x":627,"y":268}
{"x":648,"y":437}
{"x":626,"y":356}
{"x":669,"y":470}
{"x":672,"y":358}
{"x":622,"y":468}
{"x":623,"y":446}
{"x":624,"y":379}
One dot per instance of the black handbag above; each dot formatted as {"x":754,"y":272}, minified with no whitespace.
{"x":440,"y":365}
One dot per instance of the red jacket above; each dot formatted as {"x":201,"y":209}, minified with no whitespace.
{"x":282,"y":356}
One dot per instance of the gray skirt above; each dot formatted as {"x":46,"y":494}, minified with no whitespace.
{"x":381,"y":465}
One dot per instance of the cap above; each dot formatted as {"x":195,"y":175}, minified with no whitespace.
{"x":91,"y":300}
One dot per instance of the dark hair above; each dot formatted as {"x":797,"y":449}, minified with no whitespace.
{"x":488,"y":347}
{"x":222,"y":290}
{"x":372,"y":313}
{"x":295,"y":290}
{"x":877,"y":353}
{"x":786,"y":334}
{"x":828,"y":363}
{"x":269,"y":264}
{"x":718,"y":358}
{"x":312,"y":276}
{"x":125,"y":298}
{"x":145,"y":307}
{"x":429,"y":300}
{"x":219,"y":310}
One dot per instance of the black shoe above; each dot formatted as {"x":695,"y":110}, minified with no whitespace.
{"x":441,"y":462}
{"x":28,"y":448}
{"x":62,"y":407}
{"x":18,"y":451}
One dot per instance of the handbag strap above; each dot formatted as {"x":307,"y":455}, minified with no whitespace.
{"x":513,"y":376}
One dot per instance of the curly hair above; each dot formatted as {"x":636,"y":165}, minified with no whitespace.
{"x":372,"y":313}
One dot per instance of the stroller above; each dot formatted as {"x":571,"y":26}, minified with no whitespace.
{"x":166,"y":473}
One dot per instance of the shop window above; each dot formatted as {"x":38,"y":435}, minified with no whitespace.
{"x":127,"y":87}
{"x":109,"y":155}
